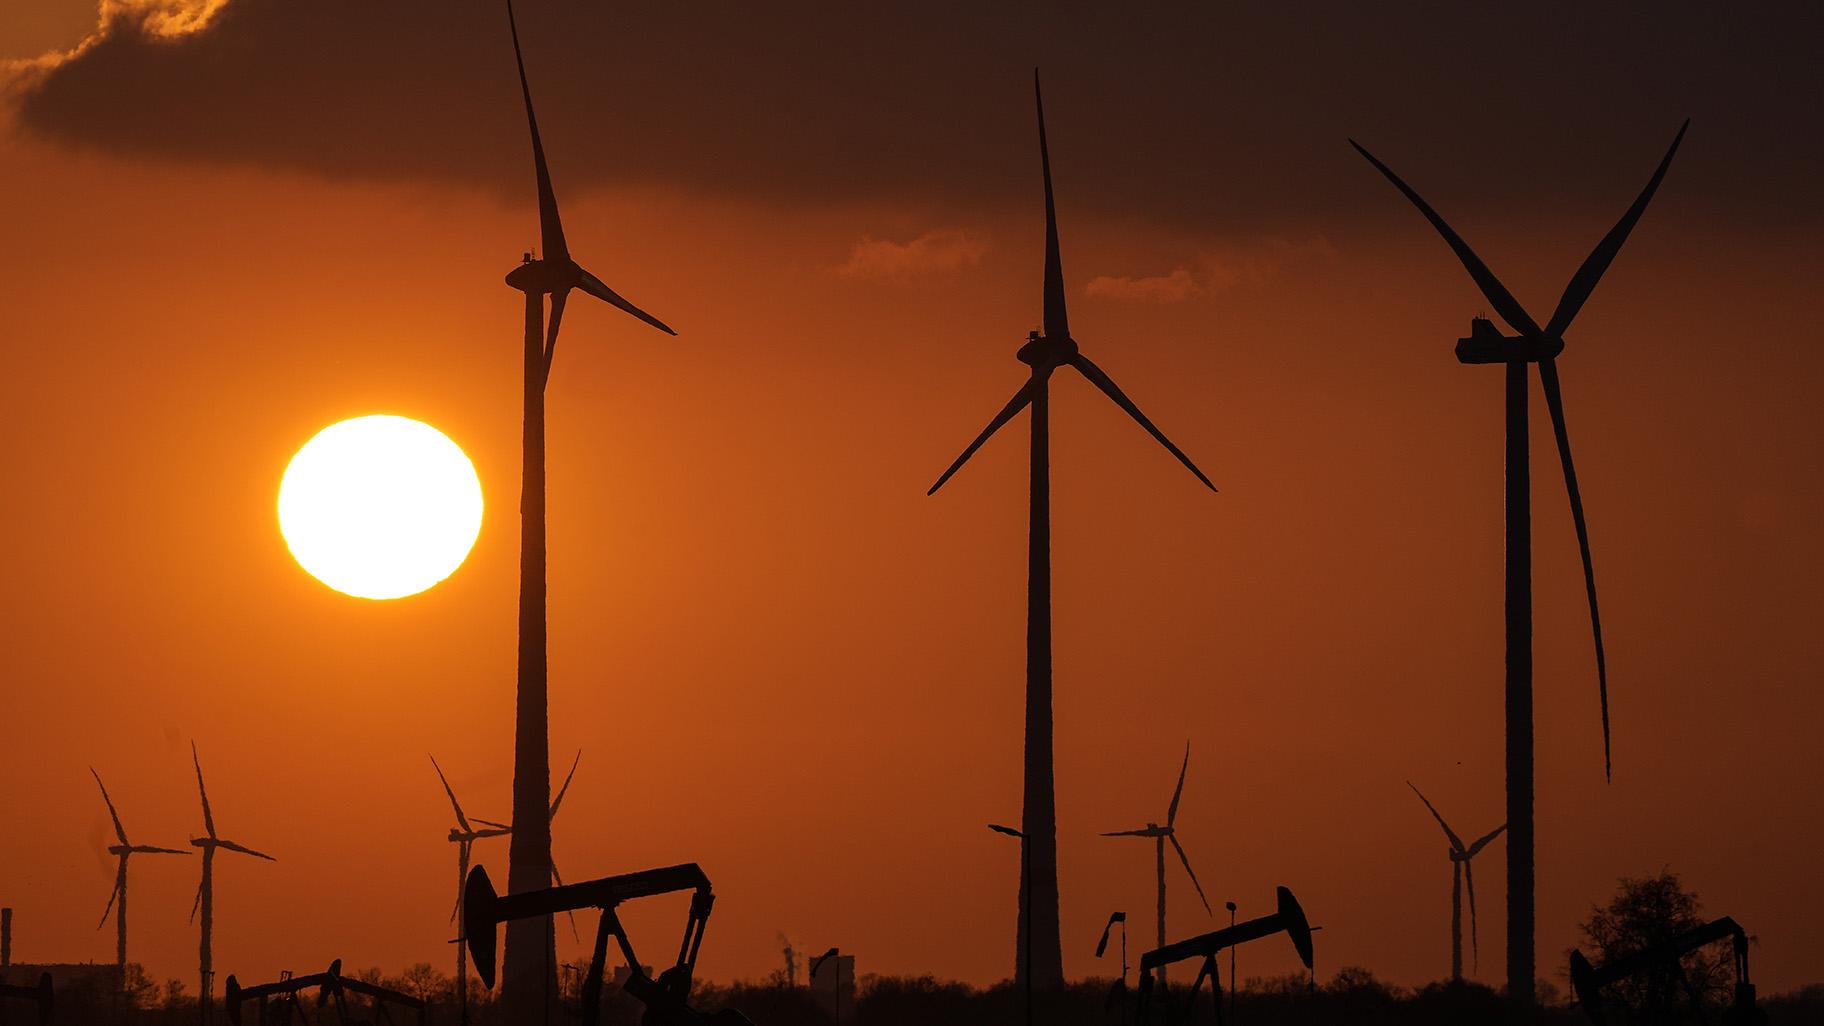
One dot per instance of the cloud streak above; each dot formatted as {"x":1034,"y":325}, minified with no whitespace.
{"x":935,"y":252}
{"x":1216,"y":272}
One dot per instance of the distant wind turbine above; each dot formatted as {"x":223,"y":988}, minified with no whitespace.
{"x":117,"y":901}
{"x":1045,"y":353}
{"x":1538,"y":345}
{"x":529,"y":972}
{"x":1461,"y":873}
{"x":464,"y":835}
{"x":1160,"y":835}
{"x":205,"y":891}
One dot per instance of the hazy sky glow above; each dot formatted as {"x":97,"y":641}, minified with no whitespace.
{"x":778,"y":656}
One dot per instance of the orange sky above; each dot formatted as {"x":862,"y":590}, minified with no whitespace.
{"x":785,"y":662}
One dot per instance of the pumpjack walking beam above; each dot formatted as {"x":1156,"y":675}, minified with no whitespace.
{"x":331,"y":985}
{"x":665,"y":998}
{"x":1290,"y":920}
{"x":1588,"y":980}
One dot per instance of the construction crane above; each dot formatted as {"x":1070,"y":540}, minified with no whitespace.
{"x":1289,"y":920}
{"x":666,"y":997}
{"x":42,"y":994}
{"x":331,"y":986}
{"x":1664,"y":958}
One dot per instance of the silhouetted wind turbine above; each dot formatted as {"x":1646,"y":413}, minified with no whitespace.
{"x":1460,"y":873}
{"x":205,"y":891}
{"x":1542,"y":346}
{"x":529,"y":986}
{"x":1045,"y":353}
{"x":117,"y":901}
{"x":1160,"y":835}
{"x":464,"y":835}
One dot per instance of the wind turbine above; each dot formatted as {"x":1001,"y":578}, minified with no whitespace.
{"x":205,"y":891}
{"x":1461,"y":873}
{"x":1538,"y":345}
{"x":1045,"y":353}
{"x":1160,"y":835}
{"x":529,"y":986}
{"x":464,"y":835}
{"x":122,"y":851}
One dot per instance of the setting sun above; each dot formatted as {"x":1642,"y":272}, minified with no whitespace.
{"x":380,"y":507}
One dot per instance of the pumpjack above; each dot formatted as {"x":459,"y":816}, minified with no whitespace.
{"x":1588,"y":980}
{"x":666,"y":998}
{"x":42,"y":994}
{"x":1117,"y":992}
{"x":1289,"y":920}
{"x":331,"y":986}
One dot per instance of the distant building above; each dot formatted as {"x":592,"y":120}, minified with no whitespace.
{"x":81,"y":983}
{"x":833,"y":987}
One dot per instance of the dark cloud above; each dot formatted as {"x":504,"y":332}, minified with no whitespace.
{"x":1210,"y":118}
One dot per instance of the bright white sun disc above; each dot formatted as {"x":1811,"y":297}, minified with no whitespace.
{"x":380,"y":507}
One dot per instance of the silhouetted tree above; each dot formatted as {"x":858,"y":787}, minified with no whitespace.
{"x":1649,"y":910}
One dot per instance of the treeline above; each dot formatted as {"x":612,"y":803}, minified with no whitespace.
{"x":1353,"y":997}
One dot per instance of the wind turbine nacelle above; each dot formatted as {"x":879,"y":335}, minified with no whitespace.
{"x":1297,"y":926}
{"x":1485,"y":344}
{"x":1587,"y":988}
{"x":1040,"y":351}
{"x":478,"y":923}
{"x":539,"y":277}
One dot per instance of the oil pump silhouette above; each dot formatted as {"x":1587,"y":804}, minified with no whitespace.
{"x":331,"y":986}
{"x":530,"y":970}
{"x":43,"y":995}
{"x":1662,"y":959}
{"x":1289,"y":920}
{"x":1117,"y":992}
{"x":1045,"y":353}
{"x":666,"y":999}
{"x":1542,"y":346}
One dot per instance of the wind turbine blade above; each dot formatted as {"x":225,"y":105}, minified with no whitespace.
{"x":1554,"y":401}
{"x":1130,"y":833}
{"x":551,"y":229}
{"x":196,"y":902}
{"x":491,"y":823}
{"x":559,"y":800}
{"x":1088,"y":369}
{"x":1475,"y":946}
{"x":1456,"y":842}
{"x":454,"y":804}
{"x":1171,"y":814}
{"x":1016,"y":404}
{"x":1584,"y":281}
{"x":595,"y":287}
{"x":120,"y":882}
{"x":558,"y":299}
{"x":244,"y":850}
{"x":1482,"y":842}
{"x":119,"y":831}
{"x":1057,"y":320}
{"x":558,"y":879}
{"x":147,"y":849}
{"x":1498,"y":297}
{"x":1179,"y":848}
{"x":1101,"y":945}
{"x":208,"y":817}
